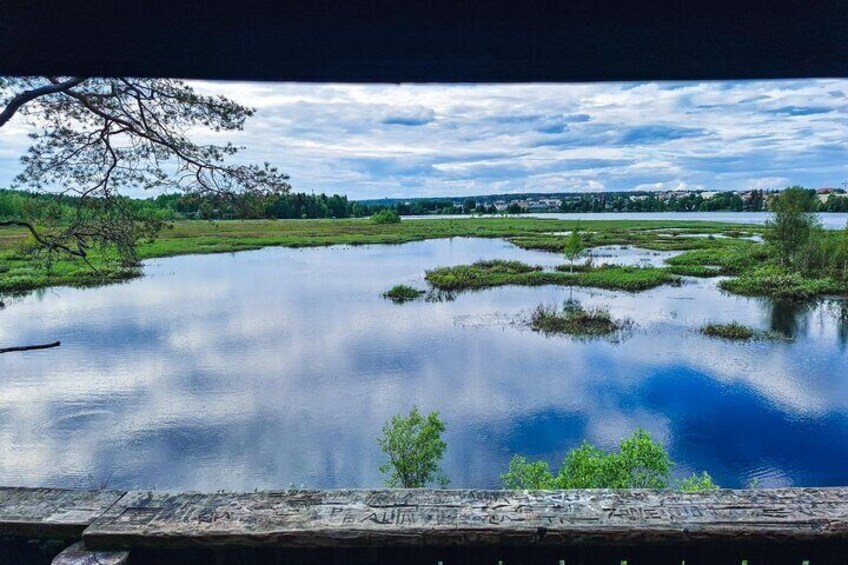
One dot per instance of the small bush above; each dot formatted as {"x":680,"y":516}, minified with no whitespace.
{"x":415,"y":449}
{"x":640,"y":462}
{"x":386,"y":216}
{"x":402,"y":293}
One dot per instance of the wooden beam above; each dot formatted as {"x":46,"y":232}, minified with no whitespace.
{"x":391,"y":518}
{"x":77,"y":554}
{"x":432,"y":41}
{"x":51,"y":513}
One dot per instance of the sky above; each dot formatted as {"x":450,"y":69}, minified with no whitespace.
{"x":434,"y":140}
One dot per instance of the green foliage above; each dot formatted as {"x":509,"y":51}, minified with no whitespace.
{"x":183,"y":237}
{"x":415,"y":449}
{"x":486,"y":274}
{"x":640,"y":462}
{"x":697,"y":483}
{"x":777,"y":282}
{"x":573,"y":247}
{"x":792,"y":224}
{"x":729,"y":257}
{"x":402,"y":293}
{"x":574,"y":320}
{"x":732,"y":331}
{"x":386,"y":217}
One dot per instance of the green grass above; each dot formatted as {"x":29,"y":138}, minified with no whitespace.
{"x":20,"y":273}
{"x":702,"y":256}
{"x":728,"y":256}
{"x":735,"y":331}
{"x":487,"y":274}
{"x":402,"y":293}
{"x":574,"y":320}
{"x":704,"y":271}
{"x":774,"y":282}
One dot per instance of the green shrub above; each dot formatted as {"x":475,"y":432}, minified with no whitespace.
{"x":386,"y":216}
{"x":640,"y":462}
{"x":415,"y":449}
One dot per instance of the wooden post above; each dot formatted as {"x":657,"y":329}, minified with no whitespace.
{"x":78,"y":555}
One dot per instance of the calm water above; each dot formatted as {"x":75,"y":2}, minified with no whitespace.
{"x":831,"y":221}
{"x":278,"y":367}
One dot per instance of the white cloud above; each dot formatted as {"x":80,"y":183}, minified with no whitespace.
{"x":413,"y":140}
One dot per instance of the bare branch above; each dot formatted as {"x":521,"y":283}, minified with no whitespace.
{"x":18,"y":101}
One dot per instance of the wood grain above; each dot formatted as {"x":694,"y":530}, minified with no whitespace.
{"x":51,"y":513}
{"x":77,"y":554}
{"x":381,"y":518}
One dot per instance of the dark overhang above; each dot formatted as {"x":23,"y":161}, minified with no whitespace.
{"x":428,"y":40}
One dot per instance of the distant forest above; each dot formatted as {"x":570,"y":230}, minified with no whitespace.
{"x":34,"y":206}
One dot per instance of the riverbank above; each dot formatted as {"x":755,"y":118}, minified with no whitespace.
{"x":21,"y":272}
{"x":709,"y":249}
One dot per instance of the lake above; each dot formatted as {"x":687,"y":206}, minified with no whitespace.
{"x":278,"y":368}
{"x":830,"y":220}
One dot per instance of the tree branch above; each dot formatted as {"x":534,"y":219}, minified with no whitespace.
{"x":28,"y":95}
{"x":38,"y":237}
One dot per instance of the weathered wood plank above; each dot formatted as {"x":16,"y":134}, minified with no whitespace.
{"x":51,"y":513}
{"x":77,"y":554}
{"x":441,"y":518}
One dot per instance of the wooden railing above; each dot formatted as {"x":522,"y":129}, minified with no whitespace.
{"x":772,"y":526}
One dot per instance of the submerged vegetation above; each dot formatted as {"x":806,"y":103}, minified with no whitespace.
{"x":402,"y":293}
{"x":574,"y":320}
{"x":640,"y":462}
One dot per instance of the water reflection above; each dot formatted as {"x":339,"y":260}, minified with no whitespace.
{"x":789,"y":317}
{"x":277,"y":367}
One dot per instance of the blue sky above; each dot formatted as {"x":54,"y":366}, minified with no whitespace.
{"x":372,"y":141}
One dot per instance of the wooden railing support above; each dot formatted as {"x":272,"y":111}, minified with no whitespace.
{"x":78,"y":555}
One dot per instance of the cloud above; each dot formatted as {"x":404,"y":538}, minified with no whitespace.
{"x":657,"y":134}
{"x":414,"y":116}
{"x":380,"y":140}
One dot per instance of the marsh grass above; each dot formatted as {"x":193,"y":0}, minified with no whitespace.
{"x":733,"y":331}
{"x":574,"y":320}
{"x":402,"y":293}
{"x":736,"y":331}
{"x":487,"y":274}
{"x":775,"y":282}
{"x":20,"y":273}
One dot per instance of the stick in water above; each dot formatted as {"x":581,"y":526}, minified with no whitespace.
{"x":30,"y":347}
